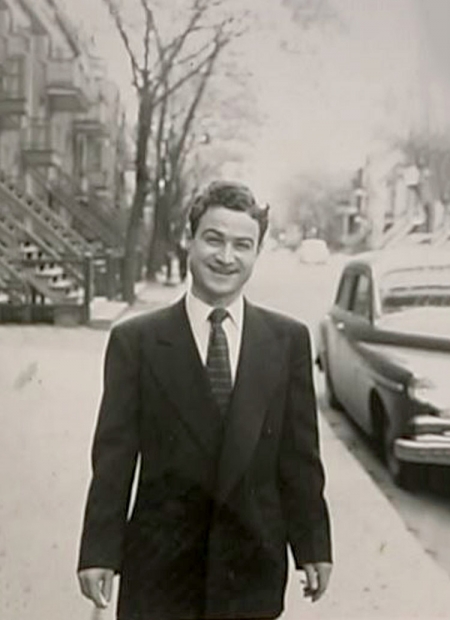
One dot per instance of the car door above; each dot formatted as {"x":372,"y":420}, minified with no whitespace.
{"x":358,"y":321}
{"x":336,"y":346}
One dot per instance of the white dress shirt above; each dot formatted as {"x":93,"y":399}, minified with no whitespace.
{"x":198,"y":313}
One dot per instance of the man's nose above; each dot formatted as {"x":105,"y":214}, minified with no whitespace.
{"x":226,"y":254}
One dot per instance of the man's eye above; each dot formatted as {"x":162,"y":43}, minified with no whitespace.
{"x":213,"y":240}
{"x":243,"y":246}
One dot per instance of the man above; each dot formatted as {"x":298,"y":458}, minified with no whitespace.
{"x":216,"y":398}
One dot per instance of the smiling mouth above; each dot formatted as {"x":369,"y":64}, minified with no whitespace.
{"x":222,"y":272}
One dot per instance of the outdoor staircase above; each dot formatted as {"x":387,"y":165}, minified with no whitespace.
{"x":37,"y":263}
{"x":14,"y":287}
{"x":42,"y":261}
{"x":398,"y":232}
{"x":99,"y":228}
{"x":442,"y":236}
{"x":46,"y":223}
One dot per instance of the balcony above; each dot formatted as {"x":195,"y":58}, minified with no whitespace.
{"x":40,"y":146}
{"x":95,"y":122}
{"x":66,"y":86}
{"x":13,"y":100}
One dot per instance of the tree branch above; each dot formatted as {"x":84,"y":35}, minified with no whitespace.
{"x":190,"y":57}
{"x":183,"y":79}
{"x":176,"y":45}
{"x":197,"y":98}
{"x":149,"y":28}
{"x":117,"y":18}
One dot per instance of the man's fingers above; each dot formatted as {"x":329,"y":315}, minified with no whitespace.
{"x":311,"y":579}
{"x":323,"y":577}
{"x":317,"y":579}
{"x":96,"y":585}
{"x":107,"y":586}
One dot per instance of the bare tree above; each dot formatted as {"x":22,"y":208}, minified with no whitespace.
{"x":173,"y":142}
{"x":162,"y":61}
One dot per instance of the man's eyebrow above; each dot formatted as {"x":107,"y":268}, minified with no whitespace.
{"x":221,"y":234}
{"x":213,"y":230}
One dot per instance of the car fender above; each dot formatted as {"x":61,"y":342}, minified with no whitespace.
{"x":390,"y":382}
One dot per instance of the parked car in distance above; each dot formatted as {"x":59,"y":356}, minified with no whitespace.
{"x":314,"y":251}
{"x":384,"y":348}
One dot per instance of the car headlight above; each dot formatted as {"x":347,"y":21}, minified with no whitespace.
{"x":434,"y":396}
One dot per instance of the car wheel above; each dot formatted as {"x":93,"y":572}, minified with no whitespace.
{"x":330,"y":394}
{"x":402,"y":474}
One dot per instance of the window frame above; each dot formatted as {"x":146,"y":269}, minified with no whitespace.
{"x":362,"y":273}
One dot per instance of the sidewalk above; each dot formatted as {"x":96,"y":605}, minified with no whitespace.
{"x":149,"y":296}
{"x":381,"y":571}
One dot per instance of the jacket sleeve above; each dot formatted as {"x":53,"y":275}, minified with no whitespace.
{"x":302,"y":476}
{"x":114,"y":454}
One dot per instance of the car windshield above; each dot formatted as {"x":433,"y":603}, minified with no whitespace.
{"x":411,"y":287}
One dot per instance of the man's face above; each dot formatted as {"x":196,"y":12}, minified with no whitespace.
{"x":222,"y":254}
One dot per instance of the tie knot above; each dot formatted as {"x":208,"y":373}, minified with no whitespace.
{"x":218,"y":316}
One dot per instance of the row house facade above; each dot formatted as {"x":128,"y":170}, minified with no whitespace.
{"x":63,"y":159}
{"x":396,"y":201}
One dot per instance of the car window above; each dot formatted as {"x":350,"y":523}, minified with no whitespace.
{"x":345,"y":290}
{"x":361,"y":303}
{"x":410,"y":287}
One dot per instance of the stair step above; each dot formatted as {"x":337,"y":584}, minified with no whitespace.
{"x":50,"y":272}
{"x":47,"y":218}
{"x":61,"y":284}
{"x":76,"y":295}
{"x":26,"y":246}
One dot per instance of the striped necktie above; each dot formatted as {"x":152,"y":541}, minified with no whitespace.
{"x":218,"y":360}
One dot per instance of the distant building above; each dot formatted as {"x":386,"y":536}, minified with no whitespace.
{"x":401,"y":202}
{"x":60,"y":115}
{"x":64,"y":156}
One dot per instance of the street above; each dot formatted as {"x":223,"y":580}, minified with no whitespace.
{"x":47,"y":372}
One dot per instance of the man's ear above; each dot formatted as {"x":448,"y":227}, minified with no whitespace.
{"x":189,"y":240}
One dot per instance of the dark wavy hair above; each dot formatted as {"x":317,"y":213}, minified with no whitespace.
{"x":230,"y":195}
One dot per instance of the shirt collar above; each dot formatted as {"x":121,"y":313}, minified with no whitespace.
{"x":198,"y":311}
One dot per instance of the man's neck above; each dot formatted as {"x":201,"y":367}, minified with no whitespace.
{"x":223,"y":302}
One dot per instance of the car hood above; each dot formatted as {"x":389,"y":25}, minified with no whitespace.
{"x":423,"y":322}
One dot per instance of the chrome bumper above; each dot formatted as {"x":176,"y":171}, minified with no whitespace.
{"x":430,"y":443}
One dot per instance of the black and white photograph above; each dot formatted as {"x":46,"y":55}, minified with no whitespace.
{"x":224,"y":309}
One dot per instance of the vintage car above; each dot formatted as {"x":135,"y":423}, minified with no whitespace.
{"x":313,"y":252}
{"x":385,"y":351}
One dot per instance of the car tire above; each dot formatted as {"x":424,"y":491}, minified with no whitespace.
{"x":330,"y":393}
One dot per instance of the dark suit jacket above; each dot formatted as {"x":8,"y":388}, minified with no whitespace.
{"x":218,"y":499}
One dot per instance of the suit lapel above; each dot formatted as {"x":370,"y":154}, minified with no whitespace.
{"x":258,"y":373}
{"x":179,"y":369}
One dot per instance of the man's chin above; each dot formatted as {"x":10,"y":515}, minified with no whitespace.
{"x":222,"y":291}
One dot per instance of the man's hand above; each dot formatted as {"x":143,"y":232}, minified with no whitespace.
{"x":317,"y":578}
{"x":96,"y":585}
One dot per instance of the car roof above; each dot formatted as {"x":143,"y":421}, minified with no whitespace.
{"x":381,"y":261}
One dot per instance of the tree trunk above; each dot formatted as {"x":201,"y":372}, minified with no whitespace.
{"x":159,"y":242}
{"x":131,"y":243}
{"x":140,"y":194}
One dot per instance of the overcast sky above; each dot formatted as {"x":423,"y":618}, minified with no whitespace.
{"x":327,"y":107}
